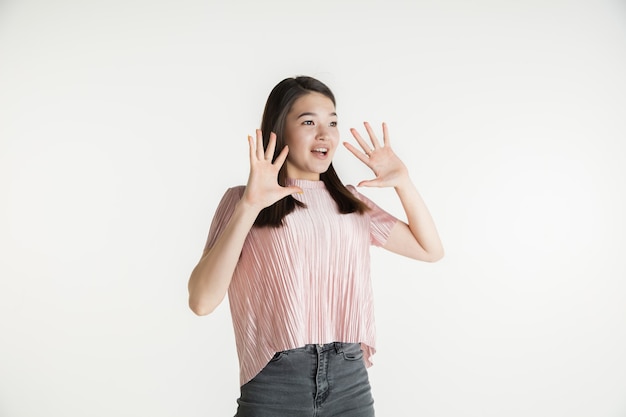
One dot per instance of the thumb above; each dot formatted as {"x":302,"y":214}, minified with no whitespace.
{"x":292,"y":190}
{"x":368,"y":183}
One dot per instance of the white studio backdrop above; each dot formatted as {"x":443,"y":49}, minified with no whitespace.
{"x":123,"y":122}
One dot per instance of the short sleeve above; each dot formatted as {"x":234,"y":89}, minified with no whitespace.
{"x":223,"y":213}
{"x":381,"y":222}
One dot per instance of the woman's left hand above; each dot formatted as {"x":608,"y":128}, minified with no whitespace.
{"x":390,"y":171}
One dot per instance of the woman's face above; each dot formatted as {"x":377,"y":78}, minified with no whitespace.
{"x":312,"y":136}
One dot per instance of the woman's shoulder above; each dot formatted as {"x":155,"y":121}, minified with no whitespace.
{"x":233,"y":194}
{"x":237,"y":189}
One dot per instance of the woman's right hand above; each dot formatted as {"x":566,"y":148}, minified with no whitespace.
{"x":263,"y":189}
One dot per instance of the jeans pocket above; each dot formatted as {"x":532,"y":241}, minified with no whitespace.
{"x":277,"y":356}
{"x":352,"y":351}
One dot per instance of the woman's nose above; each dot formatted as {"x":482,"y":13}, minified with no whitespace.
{"x":322,"y":133}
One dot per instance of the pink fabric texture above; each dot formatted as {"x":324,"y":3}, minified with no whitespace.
{"x":306,"y":282}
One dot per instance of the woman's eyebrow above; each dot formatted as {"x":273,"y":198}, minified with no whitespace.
{"x":308,"y":113}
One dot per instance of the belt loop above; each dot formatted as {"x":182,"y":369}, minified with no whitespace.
{"x":338,"y":347}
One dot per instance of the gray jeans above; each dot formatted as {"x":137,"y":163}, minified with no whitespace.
{"x":312,"y":381}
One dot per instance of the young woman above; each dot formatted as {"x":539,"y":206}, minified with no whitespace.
{"x":291,"y":249}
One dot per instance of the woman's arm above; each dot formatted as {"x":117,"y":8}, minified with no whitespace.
{"x":419,"y":238}
{"x":210,"y":279}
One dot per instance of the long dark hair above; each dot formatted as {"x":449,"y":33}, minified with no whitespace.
{"x":278,"y":105}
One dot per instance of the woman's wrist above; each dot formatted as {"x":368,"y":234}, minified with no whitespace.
{"x":404,"y":183}
{"x":247,"y":210}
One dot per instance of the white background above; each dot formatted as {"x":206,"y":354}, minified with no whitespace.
{"x":122,"y":123}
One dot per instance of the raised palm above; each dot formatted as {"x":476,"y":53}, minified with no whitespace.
{"x":262,"y":189}
{"x":390,"y":171}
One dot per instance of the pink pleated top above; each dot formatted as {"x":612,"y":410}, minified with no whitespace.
{"x":306,"y":282}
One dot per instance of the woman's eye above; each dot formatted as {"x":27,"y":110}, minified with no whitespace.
{"x":308,"y":122}
{"x":333,"y":124}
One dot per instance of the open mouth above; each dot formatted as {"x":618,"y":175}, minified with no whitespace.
{"x":320,"y":151}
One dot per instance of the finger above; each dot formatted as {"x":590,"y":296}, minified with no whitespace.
{"x":369,"y":183}
{"x":372,"y":135}
{"x":285,"y":191}
{"x":259,"y":144}
{"x":251,"y":148}
{"x":360,"y":155}
{"x":366,"y":148}
{"x":386,"y":140}
{"x":271,"y":146}
{"x":280,"y":159}
{"x":292,"y":189}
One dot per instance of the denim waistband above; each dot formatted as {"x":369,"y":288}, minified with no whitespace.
{"x":313,"y":348}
